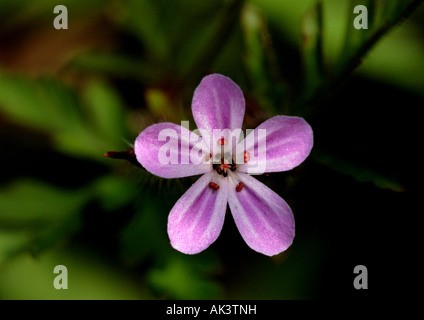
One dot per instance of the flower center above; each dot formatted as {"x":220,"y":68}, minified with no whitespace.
{"x":222,"y":162}
{"x":223,"y":167}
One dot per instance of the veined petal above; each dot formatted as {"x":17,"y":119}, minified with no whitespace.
{"x":263,"y":218}
{"x":196,"y":220}
{"x":288,"y":142}
{"x":171,"y":151}
{"x":218,"y":103}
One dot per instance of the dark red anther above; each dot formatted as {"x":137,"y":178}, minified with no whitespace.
{"x":213,"y":186}
{"x":222,"y":141}
{"x":240,"y":186}
{"x":246,"y":156}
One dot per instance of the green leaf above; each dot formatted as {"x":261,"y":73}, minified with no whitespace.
{"x":82,"y":143}
{"x":27,"y":202}
{"x":89,"y":278}
{"x":113,"y":191}
{"x":55,"y":109}
{"x":104,"y":111}
{"x":11,"y":242}
{"x":42,"y":104}
{"x":37,"y":215}
{"x":184,"y":277}
{"x":114,"y":64}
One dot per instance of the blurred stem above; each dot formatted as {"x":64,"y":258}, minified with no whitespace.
{"x":346,"y":66}
{"x":228,"y":21}
{"x":312,"y":56}
{"x":355,"y":38}
{"x":261,"y":61}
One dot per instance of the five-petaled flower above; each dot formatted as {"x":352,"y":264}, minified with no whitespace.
{"x":263,"y":218}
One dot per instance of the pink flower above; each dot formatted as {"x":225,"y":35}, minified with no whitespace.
{"x":263,"y":218}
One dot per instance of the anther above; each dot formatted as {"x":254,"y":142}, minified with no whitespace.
{"x":246,"y":156}
{"x":213,"y":186}
{"x":222,"y":141}
{"x":240,"y":186}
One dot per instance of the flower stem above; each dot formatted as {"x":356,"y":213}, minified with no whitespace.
{"x":125,"y":155}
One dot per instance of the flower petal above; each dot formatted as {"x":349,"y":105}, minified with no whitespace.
{"x":218,"y":103}
{"x":263,"y":218}
{"x":166,"y":150}
{"x":289,"y":141}
{"x":196,"y":220}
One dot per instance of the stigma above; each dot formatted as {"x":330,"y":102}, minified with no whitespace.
{"x":222,"y":168}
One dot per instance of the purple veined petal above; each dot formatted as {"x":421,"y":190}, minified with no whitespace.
{"x":167,"y":150}
{"x":218,"y":103}
{"x":289,"y":141}
{"x":264,"y":219}
{"x":196,"y":220}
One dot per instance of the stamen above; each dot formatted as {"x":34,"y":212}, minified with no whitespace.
{"x":222,"y":141}
{"x":240,"y":186}
{"x":213,"y":186}
{"x":246,"y":156}
{"x":226,"y":163}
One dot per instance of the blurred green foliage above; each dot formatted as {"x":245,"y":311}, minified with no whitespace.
{"x":108,"y":224}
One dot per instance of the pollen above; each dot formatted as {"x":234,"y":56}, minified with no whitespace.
{"x":213,"y":186}
{"x":240,"y":186}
